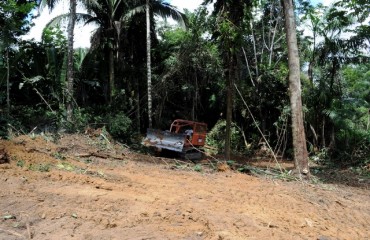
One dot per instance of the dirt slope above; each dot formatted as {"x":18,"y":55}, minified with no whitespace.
{"x":84,"y":187}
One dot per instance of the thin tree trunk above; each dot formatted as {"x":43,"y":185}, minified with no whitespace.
{"x":323,"y":142}
{"x":70,"y":74}
{"x":332,"y":144}
{"x":248,"y":68}
{"x":229,"y":107}
{"x":149,"y":75}
{"x":299,"y":138}
{"x":117,"y":26}
{"x":111,"y":75}
{"x":138,"y":111}
{"x":7,"y":83}
{"x":195,"y":98}
{"x":312,"y":61}
{"x":255,"y":51}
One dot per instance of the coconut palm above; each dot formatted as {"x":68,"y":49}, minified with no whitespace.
{"x":116,"y":19}
{"x":148,"y":65}
{"x":70,"y":74}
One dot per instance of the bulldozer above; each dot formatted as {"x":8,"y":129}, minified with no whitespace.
{"x":186,"y":138}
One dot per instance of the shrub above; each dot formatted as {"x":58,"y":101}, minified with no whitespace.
{"x":120,"y":126}
{"x":3,"y":127}
{"x":216,"y":138}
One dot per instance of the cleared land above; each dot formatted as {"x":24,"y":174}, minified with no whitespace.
{"x":86,"y":187}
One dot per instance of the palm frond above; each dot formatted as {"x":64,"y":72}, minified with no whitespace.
{"x":63,"y":18}
{"x":57,"y":21}
{"x":133,"y":12}
{"x":96,"y":39}
{"x":92,"y":4}
{"x":93,"y":20}
{"x":50,"y":4}
{"x":166,"y":10}
{"x":83,"y":17}
{"x":161,"y":9}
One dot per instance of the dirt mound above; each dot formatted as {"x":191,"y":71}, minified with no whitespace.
{"x":88,"y":187}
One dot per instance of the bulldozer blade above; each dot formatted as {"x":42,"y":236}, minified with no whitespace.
{"x":165,"y":140}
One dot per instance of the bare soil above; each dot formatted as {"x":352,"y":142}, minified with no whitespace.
{"x":87,"y":187}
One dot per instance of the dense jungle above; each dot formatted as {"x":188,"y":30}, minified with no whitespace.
{"x":283,"y":86}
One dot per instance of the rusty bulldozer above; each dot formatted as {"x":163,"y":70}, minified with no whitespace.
{"x":186,"y":138}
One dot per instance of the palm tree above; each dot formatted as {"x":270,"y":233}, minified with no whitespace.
{"x":109,"y":14}
{"x":70,"y":74}
{"x":171,"y":11}
{"x":115,"y":20}
{"x":70,"y":39}
{"x":148,"y":65}
{"x":330,"y":55}
{"x":119,"y":16}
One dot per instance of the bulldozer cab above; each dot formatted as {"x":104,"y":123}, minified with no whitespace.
{"x":195,"y":131}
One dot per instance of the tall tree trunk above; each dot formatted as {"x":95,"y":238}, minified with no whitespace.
{"x":138,"y":111}
{"x":111,"y":75}
{"x":229,"y":106}
{"x":323,"y":140}
{"x":299,"y":138}
{"x":7,"y":83}
{"x":70,"y":74}
{"x":149,"y":70}
{"x":112,"y":56}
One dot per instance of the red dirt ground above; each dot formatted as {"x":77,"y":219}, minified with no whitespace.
{"x":86,"y":187}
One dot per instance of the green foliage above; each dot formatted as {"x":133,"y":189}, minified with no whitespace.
{"x":54,"y":36}
{"x":66,"y":166}
{"x":58,"y":156}
{"x":3,"y":126}
{"x":81,"y":118}
{"x":20,"y":163}
{"x":361,"y":170}
{"x":198,"y":168}
{"x":321,"y":157}
{"x":189,"y":70}
{"x":216,"y":138}
{"x":120,"y":126}
{"x":40,"y":167}
{"x":192,"y":79}
{"x":350,"y":117}
{"x":337,"y":92}
{"x":14,"y":19}
{"x":30,"y":117}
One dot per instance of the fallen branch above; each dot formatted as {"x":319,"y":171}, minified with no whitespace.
{"x":105,"y":138}
{"x":29,"y":230}
{"x":12,"y":232}
{"x":99,"y":155}
{"x":20,"y":132}
{"x":27,"y":224}
{"x":38,"y":93}
{"x":31,"y":150}
{"x":209,"y":147}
